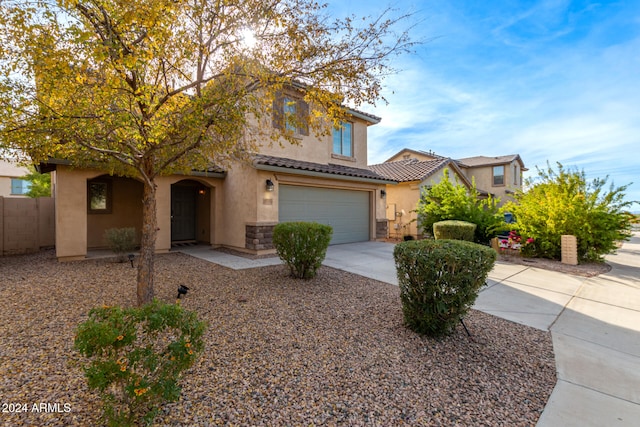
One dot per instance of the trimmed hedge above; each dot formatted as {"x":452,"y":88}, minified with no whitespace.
{"x":455,"y":230}
{"x":302,"y":246}
{"x":439,"y":281}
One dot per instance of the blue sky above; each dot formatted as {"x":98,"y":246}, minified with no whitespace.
{"x":555,"y":81}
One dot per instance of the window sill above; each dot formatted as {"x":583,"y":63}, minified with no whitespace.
{"x":341,"y":157}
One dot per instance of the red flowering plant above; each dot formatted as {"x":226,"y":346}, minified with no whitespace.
{"x":515,"y":242}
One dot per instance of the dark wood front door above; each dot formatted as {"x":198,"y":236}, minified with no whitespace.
{"x":183,"y":213}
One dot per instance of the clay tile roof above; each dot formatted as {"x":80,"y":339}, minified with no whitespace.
{"x":261,"y":159}
{"x":410,"y":169}
{"x":489,"y":161}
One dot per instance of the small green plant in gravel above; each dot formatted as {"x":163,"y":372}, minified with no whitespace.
{"x":302,"y":246}
{"x":121,"y":241}
{"x":439,"y":281}
{"x":136,"y":357}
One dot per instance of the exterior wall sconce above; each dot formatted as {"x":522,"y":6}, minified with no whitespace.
{"x":269,"y":185}
{"x":202,"y":191}
{"x":383,"y":194}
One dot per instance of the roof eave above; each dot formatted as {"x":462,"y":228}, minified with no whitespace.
{"x":305,"y":172}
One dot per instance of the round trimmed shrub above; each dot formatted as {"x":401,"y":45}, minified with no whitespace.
{"x":302,"y":246}
{"x":455,"y":230}
{"x":439,"y":281}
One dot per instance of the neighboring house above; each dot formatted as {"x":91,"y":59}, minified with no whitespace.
{"x":11,"y":184}
{"x":500,"y":176}
{"x":415,"y":169}
{"x":321,"y":179}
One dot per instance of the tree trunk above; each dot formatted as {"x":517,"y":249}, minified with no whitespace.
{"x":147,"y":245}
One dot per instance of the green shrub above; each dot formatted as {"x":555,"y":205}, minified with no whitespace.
{"x":439,"y":281}
{"x":302,"y":246}
{"x":121,"y":241}
{"x":136,"y":357}
{"x":564,"y":202}
{"x":453,"y":201}
{"x":454,"y":230}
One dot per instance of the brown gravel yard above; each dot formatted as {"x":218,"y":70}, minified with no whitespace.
{"x":329,"y":351}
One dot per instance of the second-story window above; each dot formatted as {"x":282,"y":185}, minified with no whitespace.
{"x":291,"y":113}
{"x":343,"y":139}
{"x":498,"y":175}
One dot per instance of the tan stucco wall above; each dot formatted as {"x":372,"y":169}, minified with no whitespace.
{"x":403,"y":196}
{"x":124,"y":212}
{"x":71,"y":211}
{"x":76,"y":230}
{"x":319,"y":150}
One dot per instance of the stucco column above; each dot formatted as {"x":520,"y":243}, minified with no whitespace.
{"x":163,"y":212}
{"x":71,"y":213}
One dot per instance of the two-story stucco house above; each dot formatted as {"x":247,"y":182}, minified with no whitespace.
{"x":322,"y":179}
{"x":415,"y":169}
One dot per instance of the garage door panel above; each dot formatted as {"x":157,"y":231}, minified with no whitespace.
{"x":347,"y":211}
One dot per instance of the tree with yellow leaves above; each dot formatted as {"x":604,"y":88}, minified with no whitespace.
{"x":145,"y":88}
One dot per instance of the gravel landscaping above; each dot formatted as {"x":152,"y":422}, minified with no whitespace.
{"x":327,"y":351}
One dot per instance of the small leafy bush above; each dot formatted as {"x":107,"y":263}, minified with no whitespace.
{"x":439,"y":281}
{"x":121,"y":241}
{"x":454,"y":230}
{"x":302,"y":246}
{"x":449,"y":200}
{"x":136,"y":357}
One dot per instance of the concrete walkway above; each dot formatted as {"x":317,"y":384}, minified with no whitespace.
{"x":594,"y":324}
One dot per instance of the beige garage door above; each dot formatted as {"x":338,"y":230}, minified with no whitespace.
{"x":347,"y":211}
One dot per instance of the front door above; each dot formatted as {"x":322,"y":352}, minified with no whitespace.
{"x":183,"y":213}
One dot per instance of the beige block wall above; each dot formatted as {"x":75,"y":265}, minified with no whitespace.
{"x":26,"y":224}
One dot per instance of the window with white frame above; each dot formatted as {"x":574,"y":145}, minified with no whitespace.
{"x":20,"y":187}
{"x":343,"y":139}
{"x":498,"y":175}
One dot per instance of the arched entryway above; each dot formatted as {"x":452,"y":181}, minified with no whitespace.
{"x":190,"y":212}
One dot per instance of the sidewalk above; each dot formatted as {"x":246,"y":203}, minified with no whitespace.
{"x":595,"y":327}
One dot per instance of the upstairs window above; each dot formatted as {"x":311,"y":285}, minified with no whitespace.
{"x":498,"y":175}
{"x":291,"y":113}
{"x":20,"y":187}
{"x":343,"y":139}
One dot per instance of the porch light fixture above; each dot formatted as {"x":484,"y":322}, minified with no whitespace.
{"x":269,"y":185}
{"x":202,"y":191}
{"x":383,"y":194}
